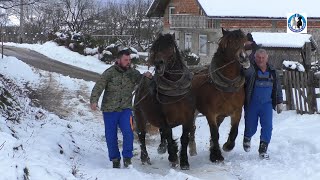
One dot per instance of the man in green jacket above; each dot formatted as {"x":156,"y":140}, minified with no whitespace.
{"x":118,"y":83}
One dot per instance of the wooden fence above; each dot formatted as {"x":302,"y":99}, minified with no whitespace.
{"x":300,"y":88}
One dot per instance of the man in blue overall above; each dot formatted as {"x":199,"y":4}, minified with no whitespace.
{"x":263,"y":94}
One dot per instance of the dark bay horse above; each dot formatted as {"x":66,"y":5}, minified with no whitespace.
{"x":165,"y":101}
{"x":219,"y":89}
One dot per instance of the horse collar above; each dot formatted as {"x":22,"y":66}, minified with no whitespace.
{"x":222,"y":82}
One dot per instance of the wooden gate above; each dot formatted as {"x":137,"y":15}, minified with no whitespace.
{"x":300,"y":88}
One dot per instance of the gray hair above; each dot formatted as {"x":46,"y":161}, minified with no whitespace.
{"x":260,"y":51}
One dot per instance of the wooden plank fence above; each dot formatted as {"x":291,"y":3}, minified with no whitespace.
{"x":300,"y":88}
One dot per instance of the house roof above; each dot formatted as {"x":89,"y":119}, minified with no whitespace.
{"x":247,"y":8}
{"x":157,"y":8}
{"x":285,"y":40}
{"x":253,"y":8}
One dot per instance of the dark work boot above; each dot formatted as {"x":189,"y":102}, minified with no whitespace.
{"x":127,"y":162}
{"x":116,"y":163}
{"x":246,"y":144}
{"x":263,"y":150}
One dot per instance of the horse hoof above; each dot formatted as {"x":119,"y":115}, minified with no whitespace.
{"x":162,"y":148}
{"x":227,"y":147}
{"x":184,"y":167}
{"x":217,"y":159}
{"x":146,"y":161}
{"x":174,"y":164}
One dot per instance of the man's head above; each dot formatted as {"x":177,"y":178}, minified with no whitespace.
{"x":261,"y":58}
{"x":123,"y":59}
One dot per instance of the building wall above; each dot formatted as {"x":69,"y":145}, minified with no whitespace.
{"x":247,"y":25}
{"x":181,"y":7}
{"x":278,"y":55}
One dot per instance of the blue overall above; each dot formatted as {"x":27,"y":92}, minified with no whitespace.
{"x":123,"y":120}
{"x":260,"y":106}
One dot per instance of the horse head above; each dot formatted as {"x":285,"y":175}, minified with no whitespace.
{"x":233,"y":46}
{"x":164,"y":54}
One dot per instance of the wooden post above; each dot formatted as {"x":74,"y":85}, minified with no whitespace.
{"x":286,"y":87}
{"x":303,"y":80}
{"x":293,"y":74}
{"x":308,"y":56}
{"x":292,"y":105}
{"x":299,"y":91}
{"x":312,"y":93}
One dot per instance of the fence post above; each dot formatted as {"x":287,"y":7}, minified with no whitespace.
{"x":312,"y":93}
{"x":308,"y":56}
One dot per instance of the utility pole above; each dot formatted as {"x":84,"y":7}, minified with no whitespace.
{"x":21,"y":30}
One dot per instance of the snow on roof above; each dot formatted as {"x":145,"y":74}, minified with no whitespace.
{"x":280,"y":39}
{"x":253,"y":8}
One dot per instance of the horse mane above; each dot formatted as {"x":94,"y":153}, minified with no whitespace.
{"x":161,"y":43}
{"x":230,"y":40}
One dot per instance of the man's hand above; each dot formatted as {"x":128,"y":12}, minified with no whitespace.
{"x":94,"y":106}
{"x":279,"y":108}
{"x":148,"y":74}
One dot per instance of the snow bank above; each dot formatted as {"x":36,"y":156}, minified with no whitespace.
{"x":62,"y":54}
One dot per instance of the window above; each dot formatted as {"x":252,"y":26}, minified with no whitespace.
{"x":171,"y":11}
{"x":203,"y":44}
{"x":187,"y":41}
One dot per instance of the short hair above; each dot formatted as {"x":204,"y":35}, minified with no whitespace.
{"x":123,"y":52}
{"x":260,"y":51}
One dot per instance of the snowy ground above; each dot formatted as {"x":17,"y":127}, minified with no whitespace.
{"x":74,"y":147}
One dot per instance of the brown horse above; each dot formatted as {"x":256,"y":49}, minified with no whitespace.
{"x":219,"y":89}
{"x":166,"y":101}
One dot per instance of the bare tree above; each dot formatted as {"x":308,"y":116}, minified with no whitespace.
{"x":77,"y":13}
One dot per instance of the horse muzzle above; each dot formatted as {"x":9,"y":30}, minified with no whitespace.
{"x":244,"y":60}
{"x":160,"y":67}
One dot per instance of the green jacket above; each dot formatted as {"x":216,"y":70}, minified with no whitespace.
{"x":118,"y":86}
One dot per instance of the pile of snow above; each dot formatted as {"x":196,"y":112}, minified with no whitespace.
{"x":133,"y":56}
{"x":193,"y":55}
{"x":111,"y":46}
{"x":280,"y":39}
{"x":91,"y":51}
{"x":62,"y":36}
{"x":107,"y":52}
{"x":293,"y":65}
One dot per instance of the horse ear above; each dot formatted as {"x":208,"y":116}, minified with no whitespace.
{"x":174,"y":35}
{"x":224,"y":32}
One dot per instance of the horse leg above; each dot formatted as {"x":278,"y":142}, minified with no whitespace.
{"x":219,"y":121}
{"x":184,"y":164}
{"x":172,"y":147}
{"x":144,"y":153}
{"x":162,"y":148}
{"x":215,"y":151}
{"x":235,"y":119}
{"x":141,"y":131}
{"x":192,"y":142}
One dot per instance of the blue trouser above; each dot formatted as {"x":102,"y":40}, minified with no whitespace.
{"x":263,"y":111}
{"x":122,"y":119}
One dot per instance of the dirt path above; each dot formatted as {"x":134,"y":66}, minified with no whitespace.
{"x":40,"y":61}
